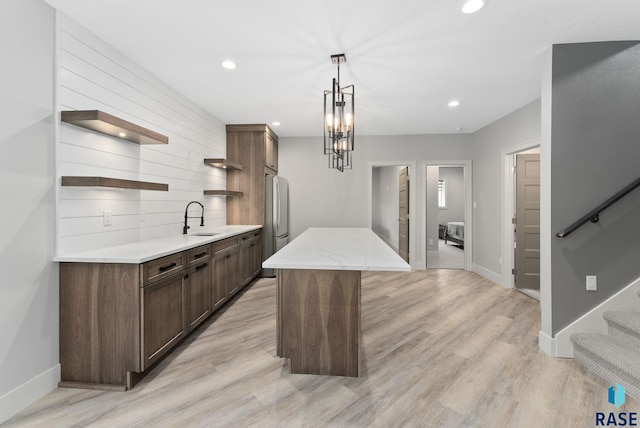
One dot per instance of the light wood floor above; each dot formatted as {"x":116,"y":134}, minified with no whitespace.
{"x":442,"y":348}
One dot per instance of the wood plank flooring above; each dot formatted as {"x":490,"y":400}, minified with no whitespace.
{"x":441,"y":348}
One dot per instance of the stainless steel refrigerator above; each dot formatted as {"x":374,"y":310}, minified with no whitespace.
{"x":276,"y":222}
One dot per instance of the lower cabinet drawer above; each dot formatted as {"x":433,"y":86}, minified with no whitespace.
{"x":157,"y":269}
{"x":197,"y":255}
{"x":228,"y":244}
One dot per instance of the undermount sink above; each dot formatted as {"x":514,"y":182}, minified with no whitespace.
{"x":206,"y":234}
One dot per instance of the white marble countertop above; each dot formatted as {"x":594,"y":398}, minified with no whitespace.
{"x":337,"y":249}
{"x":143,"y":251}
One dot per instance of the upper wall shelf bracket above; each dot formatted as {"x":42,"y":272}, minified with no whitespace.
{"x":112,"y":126}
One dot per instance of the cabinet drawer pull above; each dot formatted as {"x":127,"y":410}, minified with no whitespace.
{"x":167,"y":267}
{"x":202,"y":266}
{"x":244,"y":238}
{"x":200,"y":255}
{"x":252,"y":245}
{"x":228,"y":256}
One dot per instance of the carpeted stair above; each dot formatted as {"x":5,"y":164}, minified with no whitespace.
{"x":615,"y":356}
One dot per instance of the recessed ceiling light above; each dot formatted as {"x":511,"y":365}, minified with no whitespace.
{"x":122,"y":134}
{"x":229,"y":65}
{"x":454,"y":103}
{"x":472,"y":6}
{"x":275,"y":123}
{"x":458,"y":129}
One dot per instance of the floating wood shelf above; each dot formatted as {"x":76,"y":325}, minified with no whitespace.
{"x":113,"y":182}
{"x":112,"y":126}
{"x":223,"y":163}
{"x":222,"y":193}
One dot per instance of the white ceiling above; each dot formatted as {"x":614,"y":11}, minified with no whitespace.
{"x":407,"y":59}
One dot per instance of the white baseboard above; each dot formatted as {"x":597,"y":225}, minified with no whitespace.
{"x":592,"y":322}
{"x":486,"y":273}
{"x":547,"y":344}
{"x":14,"y":401}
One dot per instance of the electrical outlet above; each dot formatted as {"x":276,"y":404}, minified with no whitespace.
{"x":106,"y":218}
{"x":592,"y":283}
{"x":430,"y":241}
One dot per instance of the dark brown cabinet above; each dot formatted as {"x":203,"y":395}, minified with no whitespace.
{"x":271,"y":153}
{"x":256,"y":253}
{"x":198,"y":294}
{"x":225,"y":257}
{"x":255,"y":147}
{"x":117,"y":319}
{"x":219,"y":282}
{"x":198,"y":286}
{"x":163,"y":323}
{"x":249,"y":256}
{"x":244,"y":259}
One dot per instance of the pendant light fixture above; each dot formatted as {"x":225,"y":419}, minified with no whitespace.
{"x":338,"y":121}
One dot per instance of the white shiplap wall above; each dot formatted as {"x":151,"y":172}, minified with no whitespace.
{"x":94,"y":76}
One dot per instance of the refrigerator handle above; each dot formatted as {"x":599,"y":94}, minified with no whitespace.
{"x":276,"y":202}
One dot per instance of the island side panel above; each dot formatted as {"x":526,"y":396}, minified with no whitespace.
{"x":99,"y":324}
{"x":319,"y":324}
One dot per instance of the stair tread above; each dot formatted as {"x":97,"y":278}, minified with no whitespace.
{"x":610,"y":349}
{"x":630,"y":320}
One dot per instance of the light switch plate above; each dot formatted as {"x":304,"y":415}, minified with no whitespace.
{"x":592,"y":283}
{"x":106,"y":218}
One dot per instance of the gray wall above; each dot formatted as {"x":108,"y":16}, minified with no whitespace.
{"x":325,"y":197}
{"x":595,"y":151}
{"x":28,"y":278}
{"x":520,"y":127}
{"x":385,"y":204}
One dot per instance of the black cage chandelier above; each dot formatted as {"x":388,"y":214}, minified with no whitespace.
{"x":338,"y":121}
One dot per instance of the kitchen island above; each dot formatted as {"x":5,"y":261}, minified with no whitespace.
{"x":318,"y":297}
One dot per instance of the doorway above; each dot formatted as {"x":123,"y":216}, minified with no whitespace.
{"x":447,"y":220}
{"x":403,"y":213}
{"x":521,"y":220}
{"x":392,"y":205}
{"x":527,"y":224}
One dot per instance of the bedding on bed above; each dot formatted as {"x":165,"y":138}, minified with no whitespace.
{"x":455,"y":229}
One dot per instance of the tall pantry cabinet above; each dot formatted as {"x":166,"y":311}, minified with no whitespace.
{"x":255,"y":147}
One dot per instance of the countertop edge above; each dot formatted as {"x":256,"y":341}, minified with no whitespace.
{"x":333,"y":267}
{"x":94,"y":256}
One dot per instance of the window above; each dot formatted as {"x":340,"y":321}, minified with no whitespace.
{"x":442,"y":194}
